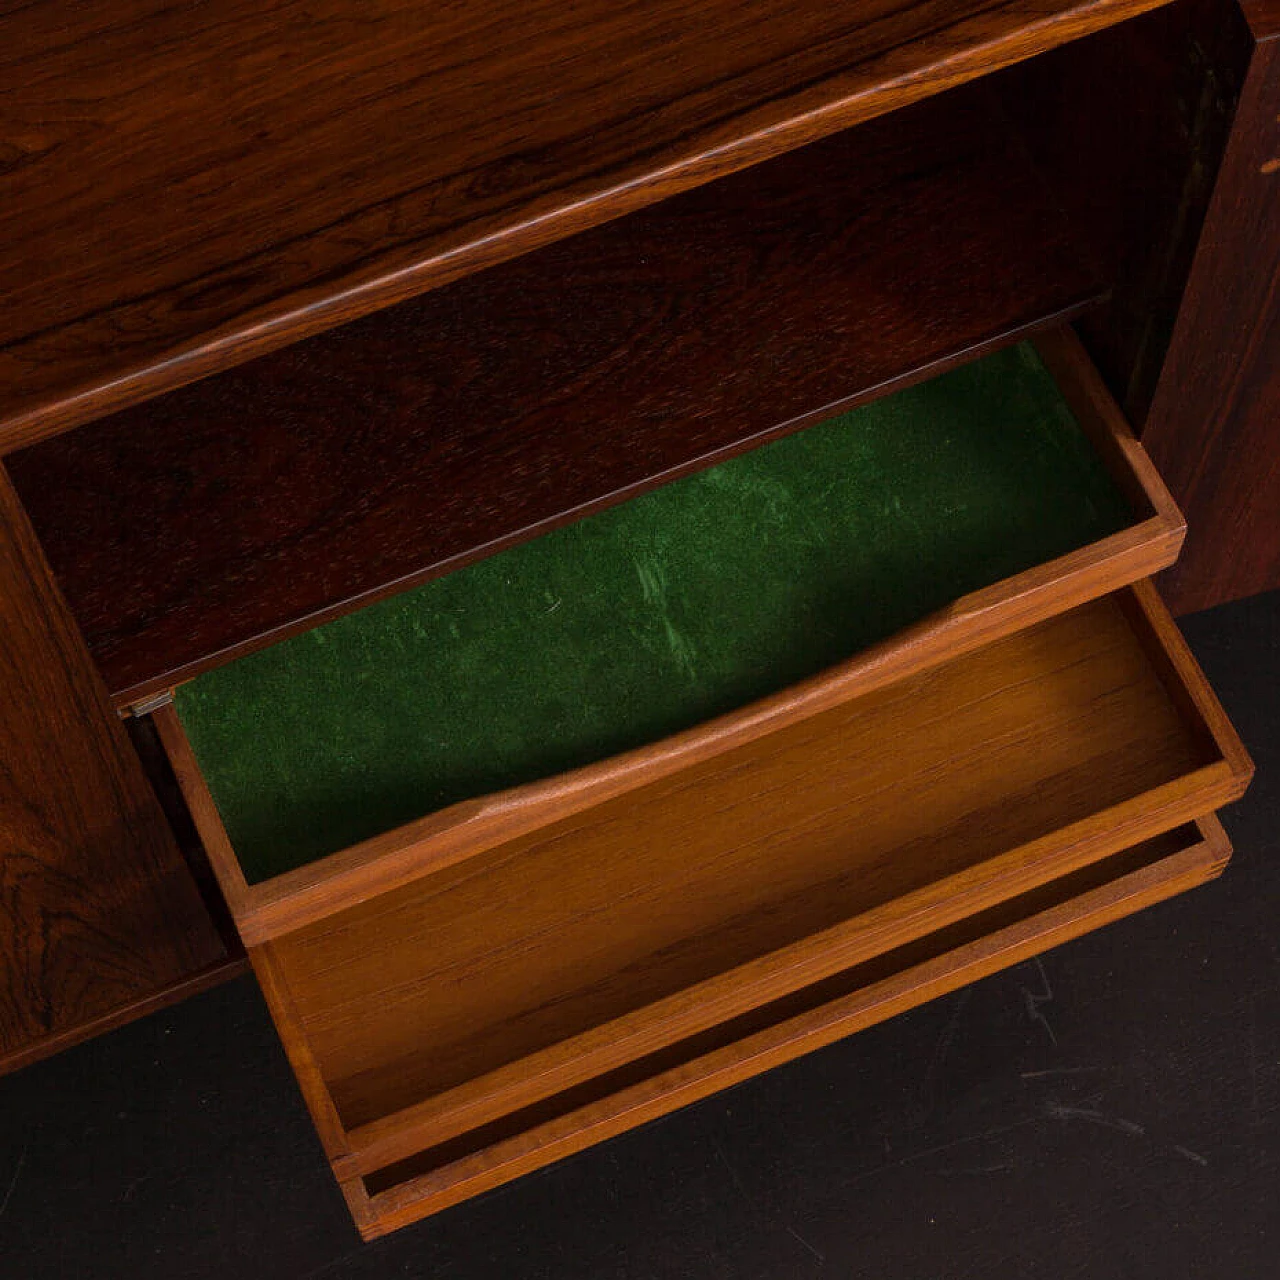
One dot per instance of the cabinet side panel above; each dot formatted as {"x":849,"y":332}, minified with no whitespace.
{"x":98,"y":912}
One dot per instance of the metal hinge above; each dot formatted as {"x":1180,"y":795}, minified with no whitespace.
{"x":153,"y":703}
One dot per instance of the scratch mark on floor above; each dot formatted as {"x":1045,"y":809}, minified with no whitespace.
{"x":748,"y":1198}
{"x":1033,"y":1001}
{"x":1194,"y":1156}
{"x":941,"y":1050}
{"x":993,"y":1132}
{"x":733,"y":1173}
{"x":13,"y":1182}
{"x":1061,"y":1071}
{"x":977,"y":1171}
{"x":822,"y":1260}
{"x":1057,"y":1112}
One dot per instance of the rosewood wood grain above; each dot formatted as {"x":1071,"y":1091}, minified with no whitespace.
{"x":1129,"y":127}
{"x":1213,"y":423}
{"x":186,"y":186}
{"x":233,"y":965}
{"x":378,"y":865}
{"x":98,"y":912}
{"x":830,"y":1011}
{"x":226,"y":515}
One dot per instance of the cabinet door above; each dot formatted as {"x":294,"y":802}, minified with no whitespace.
{"x":1212,"y":426}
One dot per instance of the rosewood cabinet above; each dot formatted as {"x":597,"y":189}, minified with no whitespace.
{"x":606,"y":550}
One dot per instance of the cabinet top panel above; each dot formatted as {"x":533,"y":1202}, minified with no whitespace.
{"x":185,"y":185}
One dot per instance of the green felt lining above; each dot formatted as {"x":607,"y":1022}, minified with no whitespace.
{"x":645,"y":619}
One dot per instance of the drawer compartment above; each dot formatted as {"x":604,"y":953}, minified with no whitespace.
{"x":489,"y":861}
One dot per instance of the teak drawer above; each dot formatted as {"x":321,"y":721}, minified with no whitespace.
{"x":787,"y":1028}
{"x":483,"y":989}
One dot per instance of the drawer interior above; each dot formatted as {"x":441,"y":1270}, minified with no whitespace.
{"x":659,"y":614}
{"x":635,"y":920}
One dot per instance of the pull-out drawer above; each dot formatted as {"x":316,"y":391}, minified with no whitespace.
{"x":564,"y":840}
{"x":784,"y":1029}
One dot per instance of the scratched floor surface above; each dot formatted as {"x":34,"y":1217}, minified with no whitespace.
{"x":1110,"y":1111}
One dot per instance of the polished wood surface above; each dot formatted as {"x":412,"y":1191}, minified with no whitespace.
{"x":850,"y":1002}
{"x":185,"y":193}
{"x":186,"y":186}
{"x":98,"y":912}
{"x":215,"y":519}
{"x":167,"y":993}
{"x":1129,"y":128}
{"x":1212,"y":427}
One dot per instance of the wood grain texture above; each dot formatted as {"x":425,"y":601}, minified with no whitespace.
{"x":98,"y":912}
{"x":1263,"y":17}
{"x":384,"y":862}
{"x":315,"y":1091}
{"x":187,"y":186}
{"x":850,"y":1002}
{"x":1212,"y":427}
{"x":1134,"y":158}
{"x":233,"y":965}
{"x":230,"y":513}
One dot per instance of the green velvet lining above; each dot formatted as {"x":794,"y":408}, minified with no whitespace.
{"x":647,"y":618}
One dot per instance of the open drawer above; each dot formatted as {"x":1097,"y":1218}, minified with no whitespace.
{"x":495,"y":865}
{"x":783,"y":1030}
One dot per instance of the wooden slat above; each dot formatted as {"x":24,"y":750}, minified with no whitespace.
{"x":99,"y":915}
{"x":414,"y":1190}
{"x":315,"y":1092}
{"x":231,"y":513}
{"x":189,"y":185}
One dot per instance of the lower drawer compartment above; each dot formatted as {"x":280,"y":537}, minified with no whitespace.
{"x":458,"y":1009}
{"x":849,"y":1001}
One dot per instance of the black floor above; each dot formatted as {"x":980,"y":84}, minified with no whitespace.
{"x":1110,"y":1111}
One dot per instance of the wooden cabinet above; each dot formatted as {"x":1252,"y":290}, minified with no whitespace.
{"x":631,"y":566}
